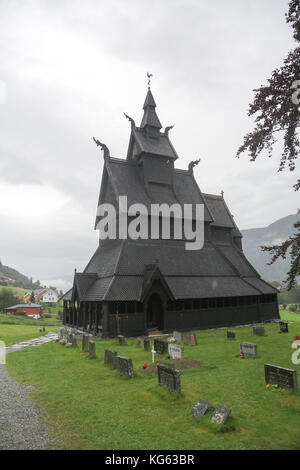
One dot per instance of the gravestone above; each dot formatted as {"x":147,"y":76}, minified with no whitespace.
{"x":147,"y":344}
{"x":200,"y":409}
{"x":85,"y":342}
{"x":221,"y":414}
{"x":138,"y":341}
{"x":161,"y":346}
{"x":124,"y":366}
{"x":248,"y":349}
{"x":110,"y":358}
{"x":284,"y":326}
{"x":281,"y":376}
{"x":121,"y":339}
{"x":259,"y":330}
{"x":72,"y":340}
{"x":92,"y":348}
{"x":61,"y":332}
{"x":169,"y":378}
{"x":190,"y":339}
{"x":175,"y":351}
{"x":230,"y":335}
{"x":178,"y":336}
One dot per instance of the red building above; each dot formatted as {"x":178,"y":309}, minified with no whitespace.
{"x":29,"y":309}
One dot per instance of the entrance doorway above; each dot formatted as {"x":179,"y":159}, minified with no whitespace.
{"x":155,"y":313}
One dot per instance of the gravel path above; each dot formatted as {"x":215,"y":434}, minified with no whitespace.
{"x":20,"y":422}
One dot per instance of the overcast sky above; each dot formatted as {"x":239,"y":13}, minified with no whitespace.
{"x":68,"y":71}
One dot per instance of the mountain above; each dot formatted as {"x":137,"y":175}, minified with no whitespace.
{"x":12,"y":277}
{"x":274,"y":234}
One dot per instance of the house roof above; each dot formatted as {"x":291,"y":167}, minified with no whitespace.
{"x":23,"y":306}
{"x":117,"y":269}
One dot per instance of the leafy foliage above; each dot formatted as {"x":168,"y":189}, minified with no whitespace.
{"x":276,"y":112}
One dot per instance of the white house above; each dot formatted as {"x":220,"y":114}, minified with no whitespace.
{"x":46,"y":295}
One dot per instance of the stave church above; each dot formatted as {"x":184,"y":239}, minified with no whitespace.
{"x":135,"y":286}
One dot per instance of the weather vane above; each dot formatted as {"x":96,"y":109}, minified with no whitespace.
{"x":149,"y":75}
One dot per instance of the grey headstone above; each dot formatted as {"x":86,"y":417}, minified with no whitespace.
{"x":85,"y":342}
{"x":92,"y":348}
{"x":259,"y":330}
{"x":200,"y":409}
{"x":147,"y":344}
{"x":281,"y":376}
{"x":124,"y":366}
{"x":110,"y":358}
{"x":230,"y":335}
{"x":178,"y":336}
{"x":169,"y":378}
{"x":175,"y":351}
{"x":221,"y":414}
{"x":122,"y":340}
{"x":190,"y":339}
{"x":284,"y":326}
{"x":248,"y":349}
{"x":138,"y":341}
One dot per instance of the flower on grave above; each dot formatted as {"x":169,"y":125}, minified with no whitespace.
{"x":241,"y":355}
{"x":145,"y":365}
{"x":268,"y":385}
{"x":297,"y":337}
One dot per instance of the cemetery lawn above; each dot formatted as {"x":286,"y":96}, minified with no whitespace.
{"x":89,"y":406}
{"x":14,"y":329}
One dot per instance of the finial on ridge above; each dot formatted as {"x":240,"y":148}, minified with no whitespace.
{"x":103,"y":147}
{"x":149,"y":75}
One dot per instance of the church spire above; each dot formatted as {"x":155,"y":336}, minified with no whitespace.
{"x":150,"y":122}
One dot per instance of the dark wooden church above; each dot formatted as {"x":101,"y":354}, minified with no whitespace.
{"x":131,"y":287}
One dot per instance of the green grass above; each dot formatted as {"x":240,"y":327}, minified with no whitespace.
{"x":89,"y":406}
{"x":15,"y":328}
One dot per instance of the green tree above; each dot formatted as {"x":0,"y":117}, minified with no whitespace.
{"x":276,"y":106}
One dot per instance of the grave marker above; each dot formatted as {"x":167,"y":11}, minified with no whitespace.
{"x":161,"y":346}
{"x":200,"y":409}
{"x":281,"y":376}
{"x":146,"y":344}
{"x":284,"y":327}
{"x":121,"y":339}
{"x":190,"y":339}
{"x":175,"y":351}
{"x":92,"y":348}
{"x":169,"y":378}
{"x":85,"y":342}
{"x":221,"y":414}
{"x":178,"y":336}
{"x":248,"y":349}
{"x":124,"y":366}
{"x":259,"y":330}
{"x":110,"y":358}
{"x":230,"y":335}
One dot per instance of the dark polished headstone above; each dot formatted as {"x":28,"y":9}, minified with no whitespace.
{"x":161,"y":346}
{"x":281,"y":376}
{"x":284,"y":326}
{"x":230,"y":335}
{"x":169,"y":378}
